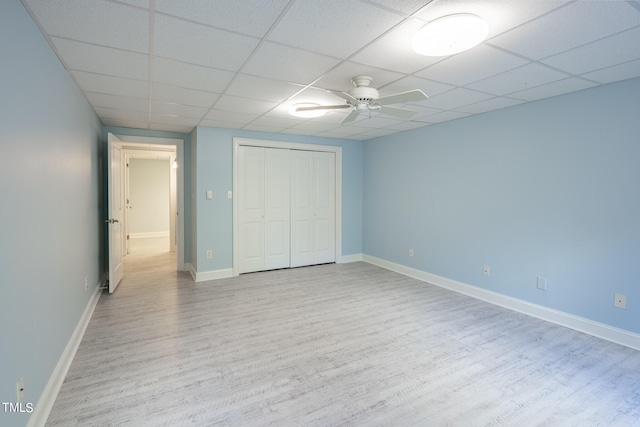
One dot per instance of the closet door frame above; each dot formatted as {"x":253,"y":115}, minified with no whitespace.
{"x":237,"y":142}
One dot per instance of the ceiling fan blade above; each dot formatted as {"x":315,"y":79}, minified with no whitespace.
{"x":351,"y":117}
{"x":400,"y":98}
{"x":324,"y":107}
{"x":402,"y":113}
{"x":344,"y":95}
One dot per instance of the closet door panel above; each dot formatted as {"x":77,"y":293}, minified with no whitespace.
{"x":251,"y":212}
{"x":302,"y":225}
{"x":324,"y":213}
{"x":277,"y":208}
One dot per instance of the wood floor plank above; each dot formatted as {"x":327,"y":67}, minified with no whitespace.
{"x":348,"y":344}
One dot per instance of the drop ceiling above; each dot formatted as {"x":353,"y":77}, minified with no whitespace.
{"x":176,"y":64}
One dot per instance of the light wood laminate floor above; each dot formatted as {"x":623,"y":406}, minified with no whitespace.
{"x":332,"y":345}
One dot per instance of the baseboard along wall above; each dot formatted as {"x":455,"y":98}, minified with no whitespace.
{"x":596,"y":329}
{"x":48,"y":397}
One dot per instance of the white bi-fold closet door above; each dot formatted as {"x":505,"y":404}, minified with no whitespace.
{"x":312,"y":208}
{"x":286,"y":208}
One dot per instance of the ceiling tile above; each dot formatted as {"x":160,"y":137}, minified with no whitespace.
{"x":315,"y":26}
{"x":102,"y":60}
{"x":588,"y":43}
{"x":116,"y":113}
{"x":167,"y":108}
{"x":429,"y":87}
{"x":139,"y":3}
{"x":243,"y":105}
{"x":404,"y":6}
{"x":521,"y":78}
{"x":242,"y":16}
{"x":393,"y":50}
{"x":402,"y":126}
{"x":276,"y":121}
{"x":559,"y":87}
{"x":455,"y":98}
{"x":571,"y":26}
{"x":263,"y":128}
{"x":248,"y":86}
{"x":285,"y":63}
{"x":470,"y":66}
{"x":374,"y":120}
{"x":95,"y":21}
{"x":125,"y":123}
{"x":189,"y":76}
{"x":623,"y":47}
{"x":122,"y":102}
{"x":201,"y":45}
{"x":173,"y":120}
{"x":230,"y":116}
{"x":624,"y":71}
{"x":171,"y":127}
{"x":489,"y":105}
{"x":314,"y":126}
{"x":179,"y":95}
{"x":99,"y":83}
{"x":222,"y":124}
{"x":446,"y":116}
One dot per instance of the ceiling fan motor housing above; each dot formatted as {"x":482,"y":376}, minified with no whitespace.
{"x":362,"y":92}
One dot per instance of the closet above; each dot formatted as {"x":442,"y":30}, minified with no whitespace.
{"x":286,"y":209}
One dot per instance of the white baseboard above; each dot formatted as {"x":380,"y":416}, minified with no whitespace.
{"x":203,"y":276}
{"x":48,"y":397}
{"x":149,"y":234}
{"x":344,"y":259}
{"x":600,"y":330}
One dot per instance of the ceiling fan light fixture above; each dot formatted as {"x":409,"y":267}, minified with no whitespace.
{"x":308,"y":114}
{"x":450,"y":34}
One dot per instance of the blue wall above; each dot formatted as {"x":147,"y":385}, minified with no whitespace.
{"x":214,"y":171}
{"x":548,"y":188}
{"x":50,"y":148}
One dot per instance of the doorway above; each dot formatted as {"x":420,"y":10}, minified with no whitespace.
{"x":170,"y":229}
{"x":150,"y":201}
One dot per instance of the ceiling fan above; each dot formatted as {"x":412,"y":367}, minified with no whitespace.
{"x":365,"y":98}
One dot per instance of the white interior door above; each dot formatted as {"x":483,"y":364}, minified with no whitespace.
{"x":312,"y":208}
{"x":251,"y":209}
{"x":264,"y":209}
{"x":276,"y":208}
{"x":302,"y":208}
{"x":324,"y":200}
{"x":115,"y":211}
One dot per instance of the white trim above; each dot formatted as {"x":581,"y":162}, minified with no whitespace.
{"x":50,"y":393}
{"x":204,"y":276}
{"x":149,"y":234}
{"x":151,"y":142}
{"x":600,"y":330}
{"x":349,"y":258}
{"x":237,"y":142}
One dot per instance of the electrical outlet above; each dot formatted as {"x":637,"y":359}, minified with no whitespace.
{"x":411,"y":253}
{"x":486,"y":270}
{"x":541,"y":283}
{"x":229,"y":194}
{"x":20,"y":390}
{"x":86,"y":283}
{"x":620,"y":301}
{"x":209,"y":254}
